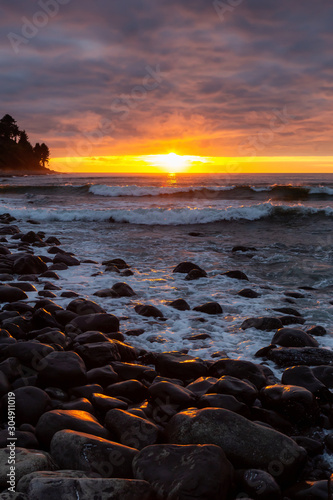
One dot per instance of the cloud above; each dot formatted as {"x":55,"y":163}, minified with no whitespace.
{"x":88,"y":70}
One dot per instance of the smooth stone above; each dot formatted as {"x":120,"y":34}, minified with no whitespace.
{"x":258,"y":484}
{"x":80,"y":404}
{"x":292,"y":337}
{"x":196,"y":274}
{"x":104,"y":375}
{"x":30,"y":404}
{"x":28,"y":353}
{"x":11,"y":294}
{"x":291,"y":320}
{"x":69,"y":260}
{"x":50,"y":274}
{"x":56,"y":420}
{"x":84,"y":306}
{"x":87,"y":452}
{"x":54,"y":337}
{"x":148,"y":311}
{"x":238,"y":275}
{"x":127,"y":371}
{"x":308,"y":490}
{"x":264,"y":323}
{"x":105,"y":323}
{"x":89,"y":489}
{"x":90,"y":337}
{"x":131,"y":430}
{"x":294,"y":402}
{"x":303,"y":376}
{"x":180,"y":366}
{"x":23,"y":439}
{"x":209,"y":308}
{"x":29,"y":264}
{"x":169,"y":393}
{"x":312,"y":446}
{"x":119,"y":263}
{"x":123,"y":290}
{"x":201,"y":386}
{"x":100,"y":354}
{"x":242,"y":369}
{"x":248,"y":293}
{"x":106,"y":292}
{"x":105,"y":403}
{"x":290,"y":311}
{"x":24,"y":482}
{"x":69,"y":294}
{"x":290,"y":356}
{"x":185,"y":267}
{"x":179,"y":304}
{"x":185,"y":472}
{"x":42,"y":318}
{"x":245,"y":392}
{"x":86,"y":391}
{"x":246,"y":444}
{"x":226,"y":401}
{"x":294,"y":295}
{"x":242,"y":248}
{"x":60,"y":266}
{"x":324,"y":374}
{"x":130,"y":389}
{"x":23,"y":285}
{"x":26,"y":461}
{"x":46,"y":293}
{"x":319,"y":331}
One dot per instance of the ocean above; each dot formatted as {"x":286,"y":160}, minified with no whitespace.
{"x":156,"y":222}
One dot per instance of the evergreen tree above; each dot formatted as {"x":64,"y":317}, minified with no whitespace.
{"x":8,"y":128}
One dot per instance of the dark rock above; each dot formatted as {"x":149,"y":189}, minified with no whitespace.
{"x":240,"y":369}
{"x":292,"y":337}
{"x":237,"y":275}
{"x":104,"y":376}
{"x":290,"y":356}
{"x":119,"y":263}
{"x":28,"y":353}
{"x":90,"y":338}
{"x":186,"y":267}
{"x":318,"y":331}
{"x":105,"y":323}
{"x":23,"y":440}
{"x":294,"y":295}
{"x":288,"y":310}
{"x":209,"y":308}
{"x":130,"y":389}
{"x":105,"y":403}
{"x":56,"y":420}
{"x":127,"y":371}
{"x":28,"y":277}
{"x":225,"y":401}
{"x":241,"y":248}
{"x":200,"y":386}
{"x":52,"y":240}
{"x":169,"y":393}
{"x":24,"y":483}
{"x":30,"y":404}
{"x":324,"y":374}
{"x":303,"y":376}
{"x":198,"y":336}
{"x":180,"y":305}
{"x":312,"y":446}
{"x":258,"y":484}
{"x":80,"y":404}
{"x":246,"y":444}
{"x":123,"y":290}
{"x":98,"y":354}
{"x":245,"y":392}
{"x":46,"y":293}
{"x":54,"y":337}
{"x":69,"y":294}
{"x":294,"y":402}
{"x":64,"y":258}
{"x":30,"y":237}
{"x":148,"y":311}
{"x":29,"y":264}
{"x":92,"y":454}
{"x":86,"y":391}
{"x":308,"y":490}
{"x":178,"y":365}
{"x":131,"y":430}
{"x":62,"y":369}
{"x":264,"y":323}
{"x":11,"y":294}
{"x":106,"y":292}
{"x":22,"y":285}
{"x":89,"y":488}
{"x":196,"y":274}
{"x":84,"y":306}
{"x":248,"y":293}
{"x":42,"y":318}
{"x":51,"y":286}
{"x":60,"y":266}
{"x":48,"y":305}
{"x":191,"y":472}
{"x":135,"y":333}
{"x":9,"y":230}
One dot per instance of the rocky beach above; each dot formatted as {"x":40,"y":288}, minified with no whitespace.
{"x":89,"y":413}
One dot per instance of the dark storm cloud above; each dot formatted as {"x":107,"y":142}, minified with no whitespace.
{"x":87,"y":68}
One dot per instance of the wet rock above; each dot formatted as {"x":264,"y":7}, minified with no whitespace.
{"x":24,"y":482}
{"x":12,"y":229}
{"x":110,"y":269}
{"x":180,"y":305}
{"x":312,"y":446}
{"x":105,"y":323}
{"x":104,"y":376}
{"x":290,"y":356}
{"x":294,"y":402}
{"x":28,"y":353}
{"x":56,"y":420}
{"x":130,"y":389}
{"x":209,"y":308}
{"x":64,"y":258}
{"x":119,"y":263}
{"x":64,"y":317}
{"x":84,"y":306}
{"x":303,"y":376}
{"x":288,"y":310}
{"x":170,"y":393}
{"x":60,"y":266}
{"x":128,"y":371}
{"x":196,"y":274}
{"x":11,"y":294}
{"x":258,"y":484}
{"x":90,"y":488}
{"x":29,"y":264}
{"x":192,"y":472}
{"x":237,"y":275}
{"x":186,"y":267}
{"x":294,"y":295}
{"x":52,"y":240}
{"x":178,"y":365}
{"x":318,"y":331}
{"x":201,"y":385}
{"x":131,"y":430}
{"x":246,"y":444}
{"x":225,"y":401}
{"x":148,"y":311}
{"x":62,"y":369}
{"x":89,"y":453}
{"x":264,"y":323}
{"x":244,"y":370}
{"x":245,"y":392}
{"x":292,"y":337}
{"x":23,"y":439}
{"x":22,"y":285}
{"x":30,"y":237}
{"x":123,"y":290}
{"x":90,"y":337}
{"x":42,"y":318}
{"x":248,"y":293}
{"x":26,"y":461}
{"x":69,"y":294}
{"x":106,"y":292}
{"x":98,"y":354}
{"x":46,"y":293}
{"x":324,"y":374}
{"x":31,"y":403}
{"x":241,"y":248}
{"x":105,"y":403}
{"x":54,"y":337}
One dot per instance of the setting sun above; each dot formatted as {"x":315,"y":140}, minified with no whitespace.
{"x":172,"y":162}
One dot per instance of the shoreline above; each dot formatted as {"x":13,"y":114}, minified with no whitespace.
{"x":75,"y":370}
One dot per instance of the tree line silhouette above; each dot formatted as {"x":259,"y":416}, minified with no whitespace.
{"x":16,"y":152}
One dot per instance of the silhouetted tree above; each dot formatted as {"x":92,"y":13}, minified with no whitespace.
{"x":9,"y":128}
{"x":45,"y":156}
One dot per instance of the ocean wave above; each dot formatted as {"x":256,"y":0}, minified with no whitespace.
{"x":168,"y":216}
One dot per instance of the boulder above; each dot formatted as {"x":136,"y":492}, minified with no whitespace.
{"x":186,"y":267}
{"x":105,"y":323}
{"x":84,"y":306}
{"x":196,"y":274}
{"x":64,"y":258}
{"x":179,"y":472}
{"x":303,"y":376}
{"x":240,"y":369}
{"x":293,"y":337}
{"x":119,"y":263}
{"x":180,"y":366}
{"x":248,"y":293}
{"x":28,"y":353}
{"x":245,"y":443}
{"x":131,"y":430}
{"x":29,"y":264}
{"x":237,"y":275}
{"x":89,"y":453}
{"x":130,"y":389}
{"x":263,"y":323}
{"x":11,"y":294}
{"x":62,"y":369}
{"x":290,"y":356}
{"x":30,"y":404}
{"x":104,"y":375}
{"x":148,"y":311}
{"x":258,"y":484}
{"x":170,"y":393}
{"x":179,"y":304}
{"x":56,"y":420}
{"x":123,"y":290}
{"x":24,"y":482}
{"x":245,"y":392}
{"x":209,"y":308}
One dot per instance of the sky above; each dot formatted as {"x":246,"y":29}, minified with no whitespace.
{"x":109,"y":82}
